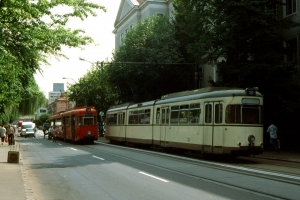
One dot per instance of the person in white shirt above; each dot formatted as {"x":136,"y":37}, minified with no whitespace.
{"x":2,"y":133}
{"x":10,"y":133}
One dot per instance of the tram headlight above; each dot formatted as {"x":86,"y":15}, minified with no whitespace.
{"x":251,"y":139}
{"x":89,"y":132}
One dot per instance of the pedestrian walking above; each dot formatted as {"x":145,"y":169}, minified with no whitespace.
{"x":10,"y":133}
{"x":50,"y":133}
{"x":2,"y":133}
{"x":272,"y":129}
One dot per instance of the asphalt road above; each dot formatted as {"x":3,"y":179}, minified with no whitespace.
{"x":59,"y":170}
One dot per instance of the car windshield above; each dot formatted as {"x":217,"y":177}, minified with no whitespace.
{"x":27,"y":126}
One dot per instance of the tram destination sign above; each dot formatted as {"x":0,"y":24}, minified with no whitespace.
{"x":250,"y":91}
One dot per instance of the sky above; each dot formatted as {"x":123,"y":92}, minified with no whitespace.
{"x":100,"y":28}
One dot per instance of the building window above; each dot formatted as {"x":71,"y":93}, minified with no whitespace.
{"x":290,"y":7}
{"x":291,"y":49}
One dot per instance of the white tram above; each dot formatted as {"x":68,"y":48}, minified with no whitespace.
{"x":209,"y":120}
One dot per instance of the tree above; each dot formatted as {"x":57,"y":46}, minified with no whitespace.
{"x":144,"y":68}
{"x":29,"y":32}
{"x":244,"y":38}
{"x":43,"y":118}
{"x":93,"y":89}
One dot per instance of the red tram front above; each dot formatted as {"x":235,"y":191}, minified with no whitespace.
{"x":77,"y":125}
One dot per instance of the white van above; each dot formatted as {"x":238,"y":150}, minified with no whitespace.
{"x":27,"y":129}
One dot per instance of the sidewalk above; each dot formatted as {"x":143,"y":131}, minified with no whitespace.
{"x":281,"y":154}
{"x":11,"y":181}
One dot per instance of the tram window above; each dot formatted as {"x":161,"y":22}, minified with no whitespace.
{"x":146,"y":119}
{"x":163,"y":119}
{"x":218,"y":113}
{"x":79,"y":121}
{"x":184,"y":114}
{"x":141,"y":116}
{"x":111,"y":119}
{"x":121,"y":118}
{"x":194,"y":114}
{"x":250,"y":114}
{"x":136,"y":117}
{"x":68,"y":121}
{"x":157,"y":115}
{"x":58,"y":122}
{"x":233,"y":114}
{"x":133,"y":117}
{"x":208,"y":113}
{"x":174,"y":114}
{"x":88,"y":121}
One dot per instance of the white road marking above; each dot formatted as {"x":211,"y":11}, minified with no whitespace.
{"x":259,"y":171}
{"x":98,"y":158}
{"x":59,"y":143}
{"x":154,"y":177}
{"x":74,"y":149}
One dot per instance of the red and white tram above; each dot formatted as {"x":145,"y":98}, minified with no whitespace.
{"x":76,"y":125}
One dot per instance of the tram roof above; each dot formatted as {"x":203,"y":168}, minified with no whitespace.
{"x":138,"y":105}
{"x":217,"y":92}
{"x":204,"y":93}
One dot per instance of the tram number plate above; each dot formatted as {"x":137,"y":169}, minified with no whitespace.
{"x":250,"y":92}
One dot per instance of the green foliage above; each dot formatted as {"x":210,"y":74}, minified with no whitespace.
{"x":143,"y":67}
{"x":43,"y":118}
{"x":244,"y":38}
{"x":29,"y":32}
{"x":93,"y":89}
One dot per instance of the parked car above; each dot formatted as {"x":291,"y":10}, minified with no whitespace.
{"x":27,"y":129}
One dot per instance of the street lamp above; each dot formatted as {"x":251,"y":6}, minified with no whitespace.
{"x":69,"y":78}
{"x":97,"y":63}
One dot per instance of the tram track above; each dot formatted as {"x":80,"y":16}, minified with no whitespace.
{"x":251,"y":168}
{"x":249,"y":172}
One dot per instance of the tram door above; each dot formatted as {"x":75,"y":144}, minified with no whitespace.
{"x":121,"y":124}
{"x":212,"y":133}
{"x":165,"y":126}
{"x":63,"y":127}
{"x":73,"y":127}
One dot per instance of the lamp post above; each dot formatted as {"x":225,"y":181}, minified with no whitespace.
{"x":69,"y":78}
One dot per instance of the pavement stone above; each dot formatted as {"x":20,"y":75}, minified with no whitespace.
{"x":11,"y":181}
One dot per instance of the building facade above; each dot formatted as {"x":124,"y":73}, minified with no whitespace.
{"x":53,"y":96}
{"x":131,"y":12}
{"x":60,"y":104}
{"x":291,"y":36}
{"x":40,"y":111}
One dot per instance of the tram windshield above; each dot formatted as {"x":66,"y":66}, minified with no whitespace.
{"x":88,"y":121}
{"x":244,"y":114}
